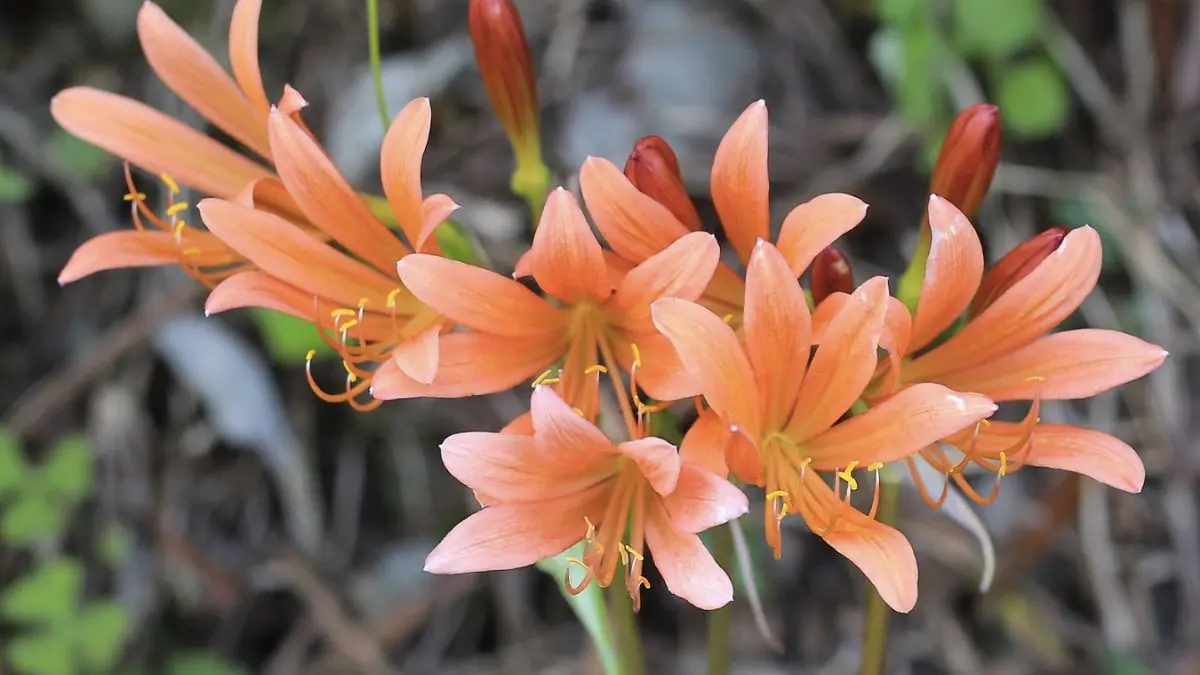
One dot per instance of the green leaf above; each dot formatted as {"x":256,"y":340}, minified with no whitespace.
{"x":12,"y":463}
{"x":901,"y":13}
{"x":115,"y":543}
{"x":1034,"y":98}
{"x":43,"y":653}
{"x":199,"y":663}
{"x":68,"y":469}
{"x":15,"y":187}
{"x":588,"y":606}
{"x":995,"y":29}
{"x":47,"y":595}
{"x":35,"y":516}
{"x":100,"y":636}
{"x":88,"y":160}
{"x":922,"y":94}
{"x":288,"y":339}
{"x":455,"y":243}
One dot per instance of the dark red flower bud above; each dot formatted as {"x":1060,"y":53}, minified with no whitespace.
{"x":1015,"y":266}
{"x":504,"y":63}
{"x":830,"y":274}
{"x":653,"y":169}
{"x":967,"y":162}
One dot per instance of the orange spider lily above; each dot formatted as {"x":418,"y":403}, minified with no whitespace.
{"x":1004,"y":351}
{"x":654,"y":170}
{"x":638,"y":226}
{"x":364,"y":311}
{"x":776,"y":412}
{"x":563,"y":480}
{"x":591,"y":315}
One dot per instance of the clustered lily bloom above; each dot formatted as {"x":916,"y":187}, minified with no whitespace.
{"x":794,"y":400}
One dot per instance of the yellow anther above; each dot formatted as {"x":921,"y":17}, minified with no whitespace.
{"x":632,"y":552}
{"x":875,"y":467}
{"x":1035,"y":378}
{"x":312,"y":353}
{"x":175,"y":209}
{"x":637,"y":354}
{"x":342,"y":311}
{"x":777,"y":494}
{"x":575,"y":561}
{"x":783,"y":512}
{"x":1003,"y":464}
{"x":728,"y":319}
{"x":135,"y":196}
{"x":545,"y":378}
{"x":170,"y":183}
{"x":596,"y":368}
{"x":391,"y":297}
{"x":191,"y":250}
{"x":624,"y":555}
{"x":362,"y":304}
{"x":644,"y":582}
{"x":846,"y":475}
{"x":348,"y":325}
{"x":578,"y":411}
{"x":180,"y":225}
{"x":349,"y":373}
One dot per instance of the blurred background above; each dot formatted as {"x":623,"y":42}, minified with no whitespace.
{"x":174,"y":499}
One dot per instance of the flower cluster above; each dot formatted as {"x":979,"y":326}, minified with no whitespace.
{"x":800,"y":397}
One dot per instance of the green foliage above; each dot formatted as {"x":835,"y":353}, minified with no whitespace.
{"x":589,"y":608}
{"x":199,"y":663}
{"x":455,"y":243}
{"x":15,"y":187}
{"x":40,"y":654}
{"x":12,"y":463}
{"x":68,"y":469}
{"x":100,"y":635}
{"x":996,"y":30}
{"x":88,"y":160}
{"x":34,"y":516}
{"x":1033,"y":97}
{"x":37,"y":500}
{"x":47,"y":595}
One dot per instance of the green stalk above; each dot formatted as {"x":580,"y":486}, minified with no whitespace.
{"x":875,"y":625}
{"x":624,"y":625}
{"x":720,"y":621}
{"x":376,"y":69}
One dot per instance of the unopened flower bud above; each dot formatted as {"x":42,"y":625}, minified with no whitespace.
{"x":502,"y":55}
{"x":967,"y":161}
{"x":653,"y":169}
{"x":1015,"y":266}
{"x":830,"y":274}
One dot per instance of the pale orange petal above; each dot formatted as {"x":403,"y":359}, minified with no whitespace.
{"x":634,"y":225}
{"x":658,"y":460}
{"x":153,"y":141}
{"x":897,"y":323}
{"x":740,"y":182}
{"x":193,"y":74}
{"x":661,"y":373}
{"x":400,"y":167}
{"x":1069,"y":448}
{"x":812,"y":226}
{"x":243,"y":53}
{"x":470,"y":364}
{"x":327,"y":199}
{"x":704,"y":445}
{"x":777,"y":328}
{"x":418,"y":355}
{"x":434,"y":211}
{"x":513,"y":468}
{"x":685,"y":564}
{"x":702,"y":500}
{"x":681,"y":270}
{"x":744,"y":460}
{"x":1068,"y":365}
{"x":563,"y":432}
{"x":900,"y":426}
{"x":565,"y":258}
{"x":710,"y":351}
{"x":726,"y":291}
{"x":115,"y":250}
{"x":479,"y":298}
{"x":952,"y":272}
{"x":844,"y":362}
{"x":1030,"y":308}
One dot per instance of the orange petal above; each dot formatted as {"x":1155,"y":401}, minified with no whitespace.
{"x":115,"y":250}
{"x":897,"y":322}
{"x":661,"y":373}
{"x":418,"y":355}
{"x":952,"y":272}
{"x":281,"y":249}
{"x":634,"y":225}
{"x":153,"y":141}
{"x":844,"y":362}
{"x":702,"y":500}
{"x":815,"y":224}
{"x":710,"y":351}
{"x":511,"y":468}
{"x":740,"y":183}
{"x":508,"y":536}
{"x":1030,"y":308}
{"x":903,"y":424}
{"x":565,"y":258}
{"x":682,"y":270}
{"x":193,"y":74}
{"x":327,"y":199}
{"x":563,"y":433}
{"x":726,"y":291}
{"x":705,"y":443}
{"x":243,"y":53}
{"x":470,"y":364}
{"x":658,"y":460}
{"x":434,"y":211}
{"x":777,"y":328}
{"x":1070,"y":448}
{"x":685,"y":564}
{"x":479,"y":298}
{"x":400,"y":167}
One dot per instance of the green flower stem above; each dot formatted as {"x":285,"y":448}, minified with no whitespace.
{"x":720,"y":621}
{"x":376,"y":69}
{"x":875,"y":626}
{"x":624,"y":625}
{"x":531,"y":180}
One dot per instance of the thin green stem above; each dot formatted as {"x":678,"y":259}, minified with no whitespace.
{"x":720,"y":621}
{"x":875,"y":625}
{"x":376,"y":69}
{"x":624,"y":625}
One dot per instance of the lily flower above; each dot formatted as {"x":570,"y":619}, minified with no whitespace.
{"x":1005,"y":351}
{"x":565,"y":481}
{"x":780,"y":411}
{"x":365,"y":313}
{"x":589,"y":317}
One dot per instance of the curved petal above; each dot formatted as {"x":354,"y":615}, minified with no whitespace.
{"x":565,"y":258}
{"x":511,"y":468}
{"x":434,"y":211}
{"x":115,"y":250}
{"x":658,"y":460}
{"x":952,"y":272}
{"x":704,"y":445}
{"x":740,"y":182}
{"x":685,"y":564}
{"x":1030,"y":308}
{"x":1068,"y":365}
{"x":193,"y":74}
{"x":327,"y":199}
{"x":681,"y":270}
{"x":661,"y":373}
{"x":400,"y":167}
{"x":778,"y":330}
{"x":243,"y":53}
{"x":479,"y":298}
{"x":153,"y":141}
{"x":844,"y":362}
{"x":634,"y":225}
{"x":470,"y":364}
{"x":702,"y":500}
{"x":418,"y":355}
{"x":726,"y":292}
{"x":559,"y":430}
{"x":903,"y":424}
{"x":812,"y":226}
{"x":1091,"y":453}
{"x":711,"y":353}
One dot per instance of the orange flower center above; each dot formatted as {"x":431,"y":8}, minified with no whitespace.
{"x":618,"y":537}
